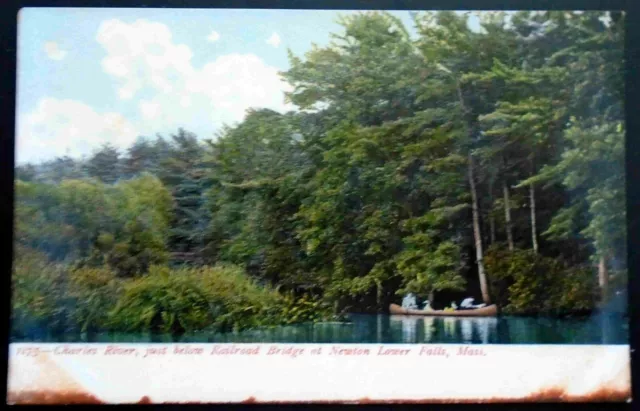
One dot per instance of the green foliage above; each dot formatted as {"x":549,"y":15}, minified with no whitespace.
{"x":220,"y":298}
{"x":61,"y":220}
{"x":145,"y":155}
{"x":144,"y":216}
{"x":370,"y":72}
{"x":255,"y":192}
{"x":595,"y":163}
{"x":26,"y":172}
{"x":526,"y":283}
{"x":104,"y":165}
{"x":428,"y":267}
{"x":125,"y":225}
{"x":38,"y":292}
{"x":304,"y":309}
{"x":94,"y":290}
{"x":215,"y":298}
{"x":362,"y":193}
{"x":160,"y":301}
{"x":183,"y":172}
{"x":53,"y":171}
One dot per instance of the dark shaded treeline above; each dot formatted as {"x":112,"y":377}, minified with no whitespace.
{"x":450,"y":163}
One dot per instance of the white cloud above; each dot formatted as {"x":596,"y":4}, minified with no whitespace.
{"x":68,"y":127}
{"x":149,"y":109}
{"x":185,"y":101}
{"x":53,"y":51}
{"x":125,"y":93}
{"x":274,"y":40}
{"x":142,"y":58}
{"x":213,"y":37}
{"x":142,"y":55}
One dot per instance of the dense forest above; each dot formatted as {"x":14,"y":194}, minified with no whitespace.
{"x":441,"y":160}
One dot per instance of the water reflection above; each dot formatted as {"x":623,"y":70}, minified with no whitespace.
{"x":598,"y":329}
{"x":429,"y":328}
{"x":466,"y":327}
{"x":410,"y":329}
{"x":487,"y":327}
{"x":449,"y":326}
{"x":446,"y":329}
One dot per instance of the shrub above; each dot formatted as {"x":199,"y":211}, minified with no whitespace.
{"x":577,"y":290}
{"x":523,"y":282}
{"x":59,"y":298}
{"x":220,"y":298}
{"x":161,"y":301}
{"x":39,"y":292}
{"x":304,"y":309}
{"x":244,"y":303}
{"x":94,"y":290}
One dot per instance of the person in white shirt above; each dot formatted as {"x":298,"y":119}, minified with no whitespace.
{"x":468,"y":304}
{"x":409,"y":302}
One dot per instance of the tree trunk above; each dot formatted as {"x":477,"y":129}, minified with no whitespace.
{"x":534,"y":228}
{"x":476,"y":217}
{"x":507,"y":214}
{"x":492,"y":228}
{"x":379,"y":295}
{"x":477,"y":234}
{"x":603,"y":278}
{"x":492,"y":219}
{"x":431,"y":297}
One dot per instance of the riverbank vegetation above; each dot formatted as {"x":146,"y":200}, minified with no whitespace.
{"x":440,"y":160}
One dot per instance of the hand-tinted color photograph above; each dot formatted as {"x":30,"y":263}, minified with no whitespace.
{"x":282,"y":176}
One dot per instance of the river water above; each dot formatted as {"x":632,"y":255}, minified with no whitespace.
{"x":382,"y":328}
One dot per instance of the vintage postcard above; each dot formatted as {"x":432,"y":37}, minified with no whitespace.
{"x":266,"y":206}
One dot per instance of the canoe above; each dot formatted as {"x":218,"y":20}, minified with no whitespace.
{"x":488,"y":311}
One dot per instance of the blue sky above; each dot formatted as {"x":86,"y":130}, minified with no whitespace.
{"x":91,"y":76}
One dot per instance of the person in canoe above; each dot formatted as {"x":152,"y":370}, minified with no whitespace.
{"x":409,"y":302}
{"x":467,"y":304}
{"x":427,"y":306}
{"x":453,"y":307}
{"x":467,"y":308}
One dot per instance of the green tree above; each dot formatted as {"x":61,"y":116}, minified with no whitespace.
{"x":104,"y":164}
{"x":143,"y":215}
{"x":142,"y":156}
{"x":408,"y":154}
{"x":592,"y":165}
{"x":59,"y":169}
{"x":26,"y":172}
{"x":453,"y":51}
{"x":370,"y":73}
{"x":255,"y":170}
{"x":183,"y":171}
{"x":525,"y":128}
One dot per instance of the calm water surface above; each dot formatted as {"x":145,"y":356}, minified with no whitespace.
{"x":598,"y":329}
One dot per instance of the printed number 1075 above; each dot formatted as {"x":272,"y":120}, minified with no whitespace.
{"x":29,"y":351}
